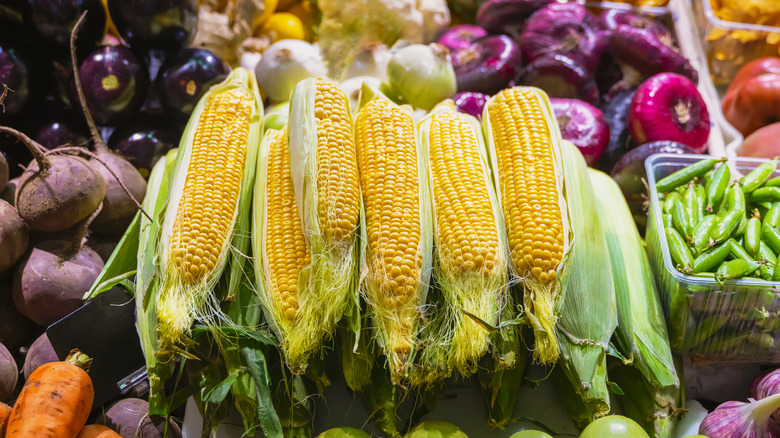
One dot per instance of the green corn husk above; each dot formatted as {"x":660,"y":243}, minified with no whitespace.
{"x":334,"y":262}
{"x":588,"y":315}
{"x":641,"y":336}
{"x":381,"y":399}
{"x":457,"y":334}
{"x":159,"y":371}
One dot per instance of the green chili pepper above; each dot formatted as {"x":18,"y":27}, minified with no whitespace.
{"x":771,"y":236}
{"x":726,"y":226}
{"x":772,"y":217}
{"x":700,"y":237}
{"x":681,"y":219}
{"x":686,"y":174}
{"x":768,"y":257}
{"x":681,"y":254}
{"x":691,"y":204}
{"x":716,"y":187}
{"x":774,"y":182}
{"x":766,"y":194}
{"x":736,"y":268}
{"x":669,"y":201}
{"x":739,"y":252}
{"x":709,"y":259}
{"x":753,"y":235}
{"x":758,"y":176}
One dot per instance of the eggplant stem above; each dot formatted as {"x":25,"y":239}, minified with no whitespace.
{"x":111,"y":171}
{"x":99,"y":144}
{"x":35,"y":148}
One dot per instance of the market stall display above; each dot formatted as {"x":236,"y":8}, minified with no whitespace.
{"x":312,"y":204}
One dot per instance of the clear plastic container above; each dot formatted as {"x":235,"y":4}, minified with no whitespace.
{"x":735,"y":321}
{"x":730,"y":45}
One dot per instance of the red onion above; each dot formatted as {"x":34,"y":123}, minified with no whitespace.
{"x":583,"y":124}
{"x":488,"y":65}
{"x":669,"y":107}
{"x":507,"y":16}
{"x":470,"y":102}
{"x":613,"y":18}
{"x":641,"y":50}
{"x":566,"y":29}
{"x":460,"y":37}
{"x":560,"y":76}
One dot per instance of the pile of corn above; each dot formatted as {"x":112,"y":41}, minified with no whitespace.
{"x":421,"y":246}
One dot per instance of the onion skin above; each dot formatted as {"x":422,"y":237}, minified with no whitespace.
{"x":763,"y":143}
{"x":583,"y":124}
{"x":643,"y":51}
{"x":488,"y":65}
{"x":669,"y":107}
{"x":507,"y":16}
{"x":470,"y":102}
{"x":461,"y":36}
{"x":565,"y":29}
{"x":560,"y":76}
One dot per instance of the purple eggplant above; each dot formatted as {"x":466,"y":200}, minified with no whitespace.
{"x":155,"y":24}
{"x":59,"y":129}
{"x":488,"y":65}
{"x":612,"y":18}
{"x":560,"y":76}
{"x":629,"y":172}
{"x":642,"y":51}
{"x":461,"y":36}
{"x":186,"y":76}
{"x":616,"y":115}
{"x":115,"y":82}
{"x":566,"y":29}
{"x":54,"y":19}
{"x":507,"y":16}
{"x":15,"y":73}
{"x":583,"y":124}
{"x":144,"y":140}
{"x":470,"y":102}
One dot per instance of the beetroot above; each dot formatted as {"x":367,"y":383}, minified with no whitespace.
{"x":40,"y":352}
{"x":583,"y":124}
{"x":16,"y":329}
{"x":565,"y":29}
{"x":50,"y":282}
{"x":560,"y":76}
{"x":58,"y":190}
{"x":13,"y":234}
{"x":9,"y":374}
{"x":130,"y":418}
{"x":4,"y":172}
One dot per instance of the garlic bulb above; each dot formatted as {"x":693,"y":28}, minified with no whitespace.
{"x":740,"y":419}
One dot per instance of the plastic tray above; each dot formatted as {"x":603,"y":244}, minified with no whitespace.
{"x":726,"y":55}
{"x":735,"y":321}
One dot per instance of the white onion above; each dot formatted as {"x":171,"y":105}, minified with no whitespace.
{"x":422,"y":74}
{"x":284,"y":64}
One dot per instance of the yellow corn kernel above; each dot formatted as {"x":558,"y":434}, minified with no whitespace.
{"x":208,"y":203}
{"x":467,"y":238}
{"x":286,"y":251}
{"x":526,"y":173}
{"x":337,"y":201}
{"x":387,"y":160}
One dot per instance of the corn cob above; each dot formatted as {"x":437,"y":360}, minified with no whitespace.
{"x":470,"y":264}
{"x":397,"y":232}
{"x":588,"y":315}
{"x":208,"y":191}
{"x":324,"y":178}
{"x":282,"y":257}
{"x":524,"y":145}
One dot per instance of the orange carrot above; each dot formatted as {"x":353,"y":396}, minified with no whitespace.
{"x":98,"y":431}
{"x":55,"y":401}
{"x":5,"y":412}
